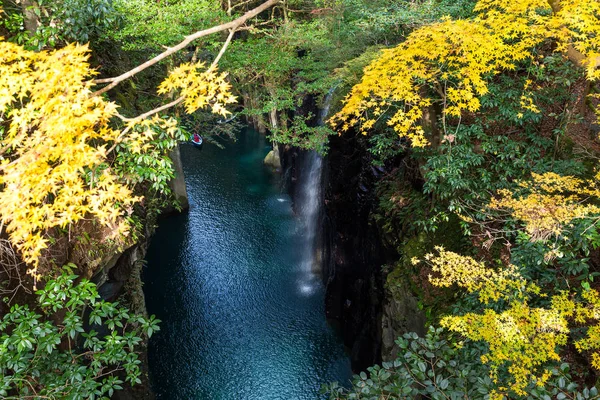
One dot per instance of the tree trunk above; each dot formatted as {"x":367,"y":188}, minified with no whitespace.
{"x":30,"y":18}
{"x":574,"y":55}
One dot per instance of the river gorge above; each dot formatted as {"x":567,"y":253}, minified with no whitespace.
{"x":234,"y":283}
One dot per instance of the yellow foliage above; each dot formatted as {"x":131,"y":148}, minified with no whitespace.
{"x":491,"y":285}
{"x":54,"y":149}
{"x":455,"y":59}
{"x":580,"y":26}
{"x":47,"y":148}
{"x":439,"y":54}
{"x":583,"y":313}
{"x":552,"y":202}
{"x":522,"y":340}
{"x":200,"y":88}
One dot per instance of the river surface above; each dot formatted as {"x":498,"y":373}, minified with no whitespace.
{"x":242,"y":316}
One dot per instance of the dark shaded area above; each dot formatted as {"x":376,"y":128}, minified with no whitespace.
{"x":354,"y":253}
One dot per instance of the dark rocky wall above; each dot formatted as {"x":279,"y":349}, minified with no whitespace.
{"x":353,"y":254}
{"x":351,"y":249}
{"x":177,"y":184}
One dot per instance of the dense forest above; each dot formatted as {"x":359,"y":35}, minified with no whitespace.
{"x":464,"y":132}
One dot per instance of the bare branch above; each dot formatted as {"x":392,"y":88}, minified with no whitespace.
{"x":154,"y":111}
{"x":230,"y":8}
{"x":219,"y":28}
{"x":216,"y":60}
{"x":11,"y":266}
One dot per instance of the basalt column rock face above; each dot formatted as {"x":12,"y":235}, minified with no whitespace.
{"x":401,"y":314}
{"x":353,"y":252}
{"x":177,"y":184}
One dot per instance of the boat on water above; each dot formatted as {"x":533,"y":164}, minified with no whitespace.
{"x":197,"y":140}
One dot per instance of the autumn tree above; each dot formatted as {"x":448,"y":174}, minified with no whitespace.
{"x":59,"y":135}
{"x":71,"y":160}
{"x":451,"y":62}
{"x":468,"y":95}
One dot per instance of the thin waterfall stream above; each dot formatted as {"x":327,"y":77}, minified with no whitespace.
{"x":309,"y":210}
{"x":235,"y":283}
{"x":310,"y":201}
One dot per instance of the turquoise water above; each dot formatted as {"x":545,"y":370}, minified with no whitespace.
{"x":242,"y":318}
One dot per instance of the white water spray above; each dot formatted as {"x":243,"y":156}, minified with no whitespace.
{"x":309,"y":208}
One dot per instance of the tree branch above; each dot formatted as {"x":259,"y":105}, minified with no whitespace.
{"x":219,"y":28}
{"x":154,"y":111}
{"x":139,"y":118}
{"x":232,"y":7}
{"x":168,"y":105}
{"x":216,"y":60}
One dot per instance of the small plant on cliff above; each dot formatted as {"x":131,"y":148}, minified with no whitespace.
{"x":74,"y":347}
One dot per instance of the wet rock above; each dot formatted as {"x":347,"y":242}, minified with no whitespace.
{"x":273,"y":160}
{"x":177,"y":184}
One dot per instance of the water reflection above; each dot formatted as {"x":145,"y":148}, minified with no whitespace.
{"x":242,"y":313}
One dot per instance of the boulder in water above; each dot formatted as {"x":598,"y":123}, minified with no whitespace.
{"x":272,"y":159}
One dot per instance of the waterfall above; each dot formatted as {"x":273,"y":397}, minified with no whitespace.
{"x":310,"y":201}
{"x":326,"y":105}
{"x":310,"y":209}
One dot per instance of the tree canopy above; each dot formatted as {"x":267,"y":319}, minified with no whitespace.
{"x":59,"y":135}
{"x":470,"y":96}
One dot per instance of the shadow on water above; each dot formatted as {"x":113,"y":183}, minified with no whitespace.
{"x":242,"y":318}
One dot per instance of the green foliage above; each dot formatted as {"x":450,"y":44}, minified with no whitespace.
{"x":351,"y":71}
{"x":153,"y":165}
{"x":163,"y":22}
{"x":83,"y":20}
{"x":309,"y":54}
{"x":290,"y":65}
{"x":467,"y":170}
{"x":380,"y":18}
{"x":74,"y":347}
{"x":436,"y":367}
{"x":301,"y":135}
{"x":60,"y":22}
{"x":432,"y":367}
{"x":555,"y":264}
{"x":397,"y":203}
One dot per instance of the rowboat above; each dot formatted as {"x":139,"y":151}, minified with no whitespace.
{"x":197,"y":140}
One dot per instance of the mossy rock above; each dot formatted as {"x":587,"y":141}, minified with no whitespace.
{"x":404,"y":276}
{"x":449,"y":235}
{"x":272,"y":160}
